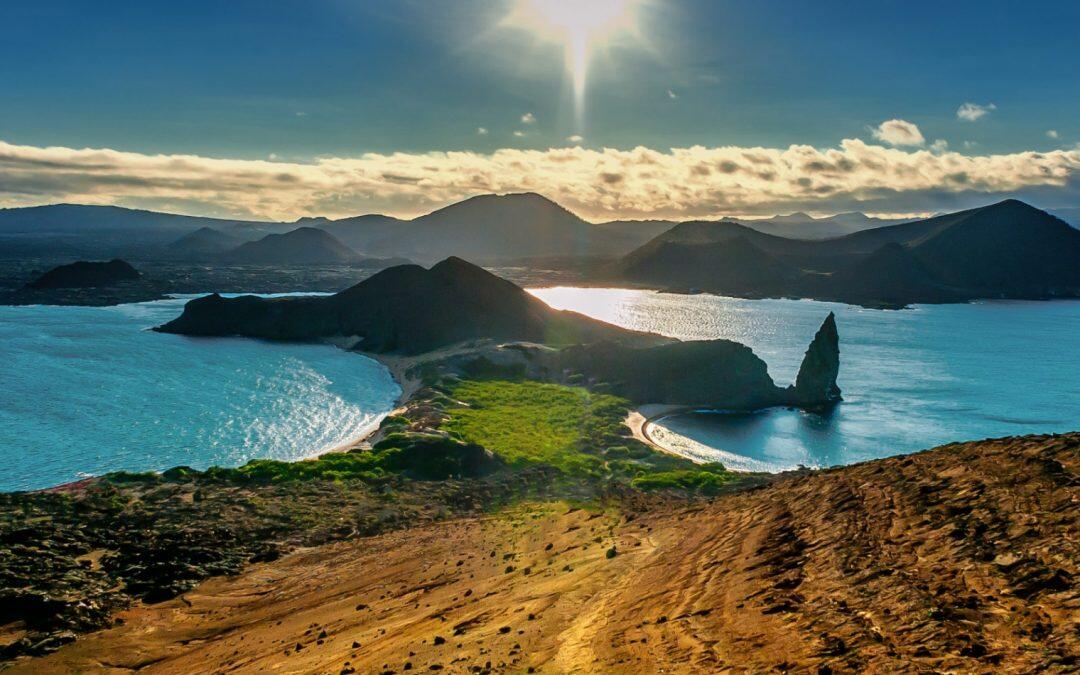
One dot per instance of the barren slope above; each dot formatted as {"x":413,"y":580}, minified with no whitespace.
{"x":959,"y":559}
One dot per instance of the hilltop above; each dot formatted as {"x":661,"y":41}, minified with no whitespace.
{"x":203,"y":244}
{"x":304,"y":245}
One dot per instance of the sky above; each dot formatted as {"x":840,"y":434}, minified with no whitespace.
{"x":614,"y":108}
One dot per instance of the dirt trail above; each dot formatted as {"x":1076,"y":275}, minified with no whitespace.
{"x":962,"y":559}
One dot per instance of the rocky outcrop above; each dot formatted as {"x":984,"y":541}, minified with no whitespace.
{"x":815,"y":384}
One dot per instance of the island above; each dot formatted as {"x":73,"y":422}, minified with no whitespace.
{"x":86,"y":283}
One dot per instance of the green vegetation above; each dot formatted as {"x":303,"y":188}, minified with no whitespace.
{"x":701,"y":480}
{"x":365,"y":466}
{"x":535,"y":423}
{"x":492,"y":424}
{"x":579,"y":432}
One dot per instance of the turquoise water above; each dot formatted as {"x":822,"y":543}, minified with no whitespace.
{"x":911,"y":379}
{"x":87,"y":390}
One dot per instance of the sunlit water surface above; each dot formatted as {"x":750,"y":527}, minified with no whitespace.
{"x":87,"y":390}
{"x":911,"y":379}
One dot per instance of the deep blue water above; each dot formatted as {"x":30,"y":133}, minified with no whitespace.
{"x":912,"y":379}
{"x":86,"y":390}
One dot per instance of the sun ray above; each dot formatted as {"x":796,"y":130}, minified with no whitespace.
{"x":581,"y":28}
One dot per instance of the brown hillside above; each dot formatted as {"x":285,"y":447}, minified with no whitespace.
{"x":960,"y":559}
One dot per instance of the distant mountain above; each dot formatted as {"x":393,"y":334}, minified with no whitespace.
{"x":493,"y":228}
{"x":1009,"y":249}
{"x":205,"y":243}
{"x":84,"y":274}
{"x":302,"y":246}
{"x":735,"y":264}
{"x":490,"y":229}
{"x":98,"y":221}
{"x":803,"y":226}
{"x":372,"y":234}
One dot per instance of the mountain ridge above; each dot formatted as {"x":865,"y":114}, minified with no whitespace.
{"x":1008,"y":250}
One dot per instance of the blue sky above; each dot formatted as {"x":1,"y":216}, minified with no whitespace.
{"x":297,"y":81}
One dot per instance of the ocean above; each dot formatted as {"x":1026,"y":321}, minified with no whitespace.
{"x":87,"y":390}
{"x":911,"y":379}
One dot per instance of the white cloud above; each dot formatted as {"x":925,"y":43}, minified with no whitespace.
{"x":301,"y":114}
{"x":939,"y":145}
{"x":972,"y":112}
{"x":898,"y":132}
{"x":481,"y":131}
{"x":528,"y":118}
{"x":519,"y":133}
{"x":576,"y":138}
{"x":641,"y":182}
{"x":1052,"y":133}
{"x":672,"y":95}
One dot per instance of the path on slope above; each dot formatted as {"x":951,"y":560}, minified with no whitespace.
{"x":962,"y":558}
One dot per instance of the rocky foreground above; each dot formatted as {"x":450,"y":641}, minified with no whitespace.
{"x":960,"y":559}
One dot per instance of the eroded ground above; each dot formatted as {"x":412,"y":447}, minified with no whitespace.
{"x":961,"y":559}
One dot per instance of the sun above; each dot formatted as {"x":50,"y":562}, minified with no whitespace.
{"x":581,"y":26}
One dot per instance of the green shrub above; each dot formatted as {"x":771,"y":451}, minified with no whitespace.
{"x":691,"y":480}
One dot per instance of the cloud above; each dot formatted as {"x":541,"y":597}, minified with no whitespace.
{"x":973,"y":112}
{"x":519,"y":133}
{"x":899,"y":132}
{"x":939,"y":145}
{"x":602,"y":183}
{"x":481,"y":131}
{"x":576,"y":138}
{"x":672,"y":95}
{"x":528,"y":118}
{"x":1052,"y":133}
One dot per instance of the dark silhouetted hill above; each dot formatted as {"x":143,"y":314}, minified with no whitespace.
{"x":405,"y":309}
{"x":204,"y":243}
{"x":95,"y":284}
{"x":1005,"y":250}
{"x":84,"y":274}
{"x":302,"y":246}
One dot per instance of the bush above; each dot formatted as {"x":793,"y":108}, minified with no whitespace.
{"x":691,"y":480}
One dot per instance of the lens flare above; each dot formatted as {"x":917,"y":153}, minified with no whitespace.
{"x":581,"y":27}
